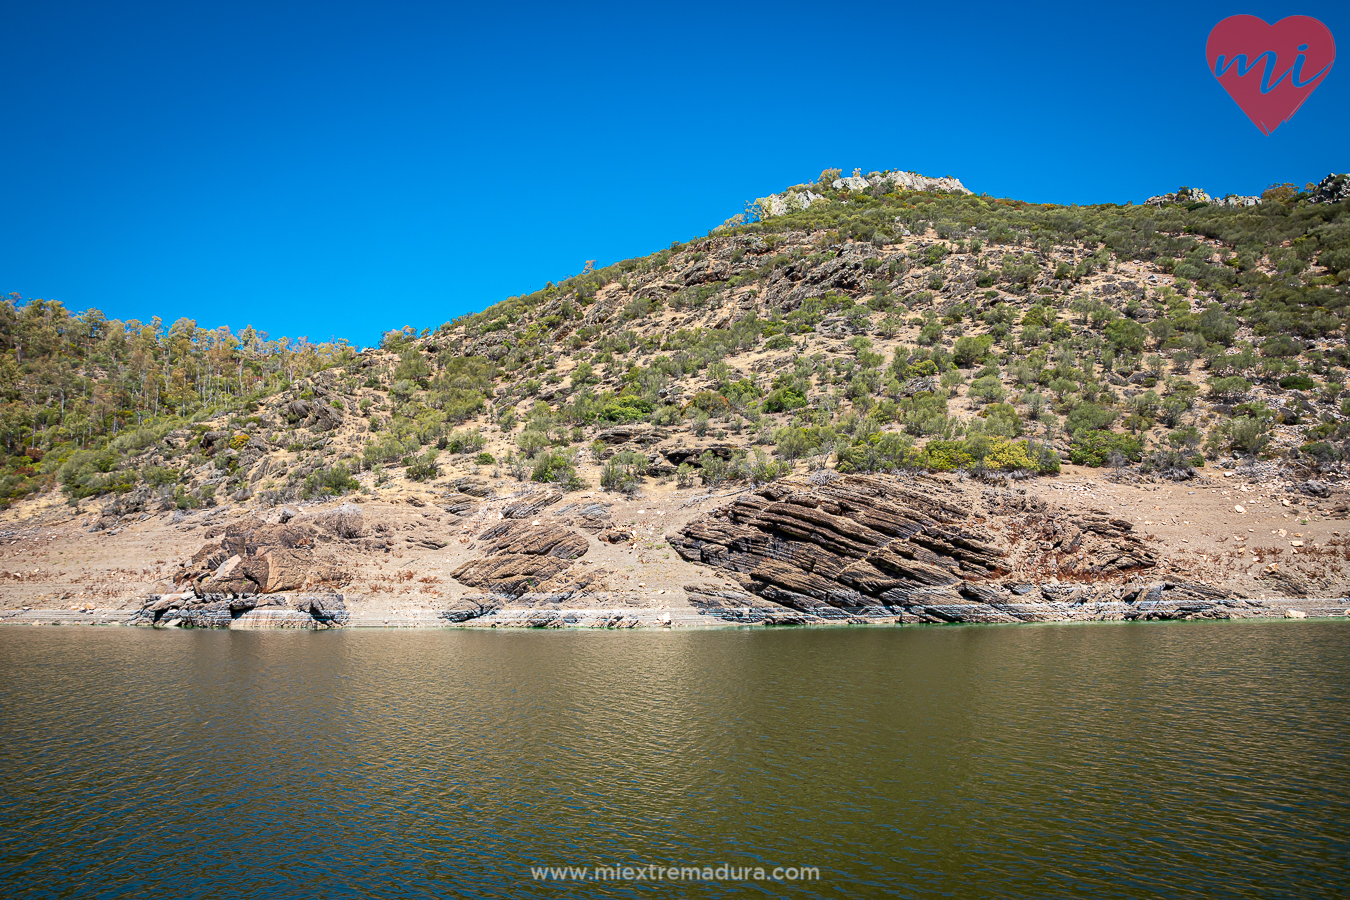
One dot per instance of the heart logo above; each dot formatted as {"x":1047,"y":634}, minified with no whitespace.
{"x":1270,"y":69}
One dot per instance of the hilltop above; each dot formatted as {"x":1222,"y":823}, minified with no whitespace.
{"x":884,"y":324}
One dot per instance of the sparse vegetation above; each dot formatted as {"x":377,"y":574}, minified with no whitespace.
{"x":876,"y":330}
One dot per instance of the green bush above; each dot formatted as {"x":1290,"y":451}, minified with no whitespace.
{"x":1088,"y":417}
{"x":971,"y":351}
{"x":557,"y":467}
{"x":329,"y":482}
{"x":987,"y":389}
{"x":422,"y":467}
{"x":622,"y":472}
{"x":531,"y":442}
{"x":1093,"y":447}
{"x":625,"y":409}
{"x":1229,"y":387}
{"x":783,"y":399}
{"x":1126,"y":334}
{"x":90,"y":473}
{"x":1296,"y":383}
{"x":468,"y":440}
{"x":1250,"y":434}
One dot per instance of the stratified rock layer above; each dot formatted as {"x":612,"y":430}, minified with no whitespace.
{"x":528,"y":563}
{"x":867,"y":547}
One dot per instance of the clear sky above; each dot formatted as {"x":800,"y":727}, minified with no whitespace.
{"x":339,"y":169}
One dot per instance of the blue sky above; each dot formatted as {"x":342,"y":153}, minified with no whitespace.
{"x":336,"y":169}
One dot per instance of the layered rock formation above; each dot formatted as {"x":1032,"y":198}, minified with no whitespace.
{"x":863,"y":548}
{"x":251,"y":566}
{"x":529,"y":562}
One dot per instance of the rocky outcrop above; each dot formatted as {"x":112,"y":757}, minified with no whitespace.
{"x":522,"y":558}
{"x":629,"y":434}
{"x":189,"y":610}
{"x":1332,"y":189}
{"x":803,"y":197}
{"x":871,"y":547}
{"x":900,"y":181}
{"x":530,"y":505}
{"x":1196,"y":195}
{"x":313,"y":414}
{"x":251,"y":557}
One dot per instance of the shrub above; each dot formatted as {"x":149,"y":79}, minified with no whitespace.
{"x":1322,"y":451}
{"x":1250,"y":434}
{"x":468,"y":440}
{"x":1216,"y":326}
{"x":557,"y":467}
{"x":1126,"y":334}
{"x":793,"y":443}
{"x":1229,"y":387}
{"x":971,"y":351}
{"x":531,"y":442}
{"x":89,"y":473}
{"x":1296,"y":383}
{"x":622,"y":472}
{"x":328,"y":482}
{"x":1171,"y":464}
{"x":987,"y":389}
{"x":1093,"y":447}
{"x":713,"y":470}
{"x":783,"y":399}
{"x":423,"y":467}
{"x":710,"y":402}
{"x":1089,"y":417}
{"x":761,"y":469}
{"x":625,"y":409}
{"x":484,"y":459}
{"x":517,"y":466}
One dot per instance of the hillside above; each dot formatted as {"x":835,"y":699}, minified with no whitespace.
{"x":884,"y":323}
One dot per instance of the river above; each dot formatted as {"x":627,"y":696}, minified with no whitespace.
{"x":1127,"y":760}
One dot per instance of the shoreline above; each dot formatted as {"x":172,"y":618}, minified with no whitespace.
{"x":628,"y":618}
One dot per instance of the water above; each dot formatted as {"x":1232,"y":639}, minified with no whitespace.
{"x":1179,"y":760}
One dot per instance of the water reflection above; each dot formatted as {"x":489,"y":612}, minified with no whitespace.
{"x":1116,"y":761}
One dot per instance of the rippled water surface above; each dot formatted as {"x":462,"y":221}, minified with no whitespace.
{"x":1179,"y":760}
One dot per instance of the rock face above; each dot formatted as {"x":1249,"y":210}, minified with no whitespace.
{"x":248,"y":566}
{"x":530,"y":505}
{"x":524,"y":558}
{"x":277,"y":611}
{"x":868,"y":547}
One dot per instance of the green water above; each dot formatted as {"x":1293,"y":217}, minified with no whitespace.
{"x":1157,"y":760}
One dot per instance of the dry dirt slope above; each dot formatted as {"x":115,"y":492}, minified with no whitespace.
{"x":527,"y":553}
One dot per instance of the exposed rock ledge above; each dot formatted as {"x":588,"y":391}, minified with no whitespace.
{"x":830,"y":550}
{"x":871,"y":548}
{"x":1161,"y":601}
{"x":266,"y":611}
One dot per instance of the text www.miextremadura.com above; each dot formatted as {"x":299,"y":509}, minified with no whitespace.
{"x":723,"y":872}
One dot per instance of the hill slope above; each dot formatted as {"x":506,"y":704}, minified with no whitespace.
{"x":855,"y":324}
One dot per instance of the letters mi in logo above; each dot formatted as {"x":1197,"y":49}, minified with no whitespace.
{"x":1270,"y":69}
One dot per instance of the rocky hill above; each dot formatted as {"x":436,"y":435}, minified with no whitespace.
{"x":886,"y":324}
